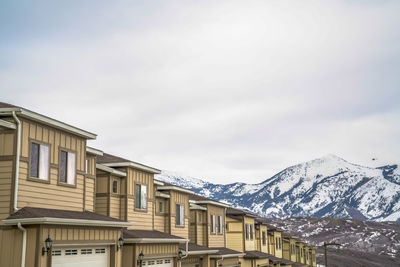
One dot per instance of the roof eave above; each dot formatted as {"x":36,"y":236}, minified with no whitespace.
{"x":133,"y":165}
{"x":154,"y":240}
{"x":63,"y":221}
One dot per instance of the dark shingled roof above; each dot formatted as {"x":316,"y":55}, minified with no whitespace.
{"x":31,"y":212}
{"x":201,"y":198}
{"x":226,"y":251}
{"x":255,"y":254}
{"x":237,"y":212}
{"x":6,"y":105}
{"x":195,"y":247}
{"x":149,"y":234}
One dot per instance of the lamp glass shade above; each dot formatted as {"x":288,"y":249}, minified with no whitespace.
{"x":141,"y":256}
{"x":48,"y":242}
{"x":120,"y":241}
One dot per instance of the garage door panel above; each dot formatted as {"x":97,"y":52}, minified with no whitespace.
{"x":158,"y":262}
{"x":80,"y":257}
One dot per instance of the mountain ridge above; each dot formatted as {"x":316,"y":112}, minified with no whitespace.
{"x":327,"y":186}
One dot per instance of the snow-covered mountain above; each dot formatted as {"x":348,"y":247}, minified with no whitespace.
{"x":325,"y":187}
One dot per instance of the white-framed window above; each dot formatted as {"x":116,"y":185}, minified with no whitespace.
{"x":140,"y":196}
{"x":67,"y":171}
{"x":180,"y":214}
{"x":264,"y":239}
{"x":220,"y":229}
{"x":247,"y":231}
{"x":39,"y":161}
{"x":212,"y":224}
{"x":251,"y":231}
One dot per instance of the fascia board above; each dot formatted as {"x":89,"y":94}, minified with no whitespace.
{"x":110,"y":170}
{"x":62,"y":221}
{"x":133,"y":165}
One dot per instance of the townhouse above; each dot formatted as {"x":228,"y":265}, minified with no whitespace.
{"x":63,"y":203}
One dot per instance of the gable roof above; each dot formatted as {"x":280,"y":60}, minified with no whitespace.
{"x":31,"y":215}
{"x":238,"y":212}
{"x":7,"y":109}
{"x":195,"y":249}
{"x":114,"y":161}
{"x":197,"y":199}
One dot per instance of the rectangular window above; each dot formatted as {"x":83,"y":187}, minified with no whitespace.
{"x":276,"y":243}
{"x":160,"y":206}
{"x":280,"y":243}
{"x":87,"y":165}
{"x":39,"y":161}
{"x":212,"y":223}
{"x":247,"y":231}
{"x":251,"y":231}
{"x":115,"y":186}
{"x":219,"y":224}
{"x":67,"y":167}
{"x":180,"y":215}
{"x":264,"y":239}
{"x":140,"y":196}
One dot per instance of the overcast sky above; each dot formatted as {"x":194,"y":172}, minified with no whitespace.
{"x":221,"y":90}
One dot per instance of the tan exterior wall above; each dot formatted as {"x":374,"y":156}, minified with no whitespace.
{"x":90,"y":184}
{"x":198,"y":227}
{"x":10,"y":247}
{"x":142,"y":219}
{"x":7,"y":142}
{"x":234,"y":234}
{"x":34,"y":192}
{"x":293,"y":251}
{"x":286,"y":249}
{"x":216,"y":239}
{"x":278,"y":251}
{"x":6,"y":188}
{"x":179,"y":198}
{"x":250,"y":244}
{"x":271,"y":244}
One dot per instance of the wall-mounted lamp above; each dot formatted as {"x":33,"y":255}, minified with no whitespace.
{"x":48,"y":244}
{"x":140,"y":260}
{"x":120,"y":243}
{"x":180,"y":255}
{"x":239,"y":264}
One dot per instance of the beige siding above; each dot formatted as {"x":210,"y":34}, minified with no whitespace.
{"x":179,"y":198}
{"x":151,"y":250}
{"x":216,"y":240}
{"x":43,"y":195}
{"x":10,"y":247}
{"x":250,"y":244}
{"x":101,"y":205}
{"x":89,"y":194}
{"x":115,"y":207}
{"x":6,"y":171}
{"x":234,"y":234}
{"x":6,"y":143}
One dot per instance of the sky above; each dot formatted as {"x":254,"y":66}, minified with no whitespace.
{"x":220,"y":90}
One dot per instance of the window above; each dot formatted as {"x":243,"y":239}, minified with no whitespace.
{"x":212,"y":225}
{"x":115,"y":186}
{"x":219,"y":224}
{"x":71,"y":252}
{"x":276,"y":243}
{"x":39,"y":161}
{"x":140,"y":196}
{"x":264,"y":239}
{"x":180,"y":215}
{"x":247,"y":231}
{"x":251,"y":231}
{"x":67,"y":167}
{"x":86,"y":251}
{"x":87,"y":165}
{"x":160,"y":206}
{"x":280,"y":243}
{"x":100,"y":250}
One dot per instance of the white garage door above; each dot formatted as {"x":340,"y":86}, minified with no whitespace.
{"x":80,"y":257}
{"x":158,"y":263}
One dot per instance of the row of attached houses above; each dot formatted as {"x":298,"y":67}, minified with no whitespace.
{"x":64,"y":204}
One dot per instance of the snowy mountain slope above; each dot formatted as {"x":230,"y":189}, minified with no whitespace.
{"x":328,"y":186}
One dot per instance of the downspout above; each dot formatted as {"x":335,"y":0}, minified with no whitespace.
{"x":186,"y":253}
{"x":23,"y":244}
{"x":18,"y":154}
{"x":217,"y":263}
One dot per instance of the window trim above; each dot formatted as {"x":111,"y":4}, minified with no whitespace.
{"x":251,"y":231}
{"x":220,"y":228}
{"x":247,"y":233}
{"x":176,"y":213}
{"x":213,"y":225}
{"x":37,"y":179}
{"x":263,"y":238}
{"x":59,"y":167}
{"x":147,"y":200}
{"x":114,"y":180}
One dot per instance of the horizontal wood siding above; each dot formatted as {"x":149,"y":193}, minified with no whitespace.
{"x":6,"y":173}
{"x":234,"y":234}
{"x":101,"y":205}
{"x":89,"y":194}
{"x":115,"y":207}
{"x":179,"y":198}
{"x":159,"y":222}
{"x":216,"y":240}
{"x":53,"y":196}
{"x":250,"y":243}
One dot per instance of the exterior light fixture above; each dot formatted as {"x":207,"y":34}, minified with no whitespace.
{"x":120,"y":243}
{"x":180,"y":254}
{"x":140,"y":260}
{"x":48,"y":244}
{"x":239,"y":264}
